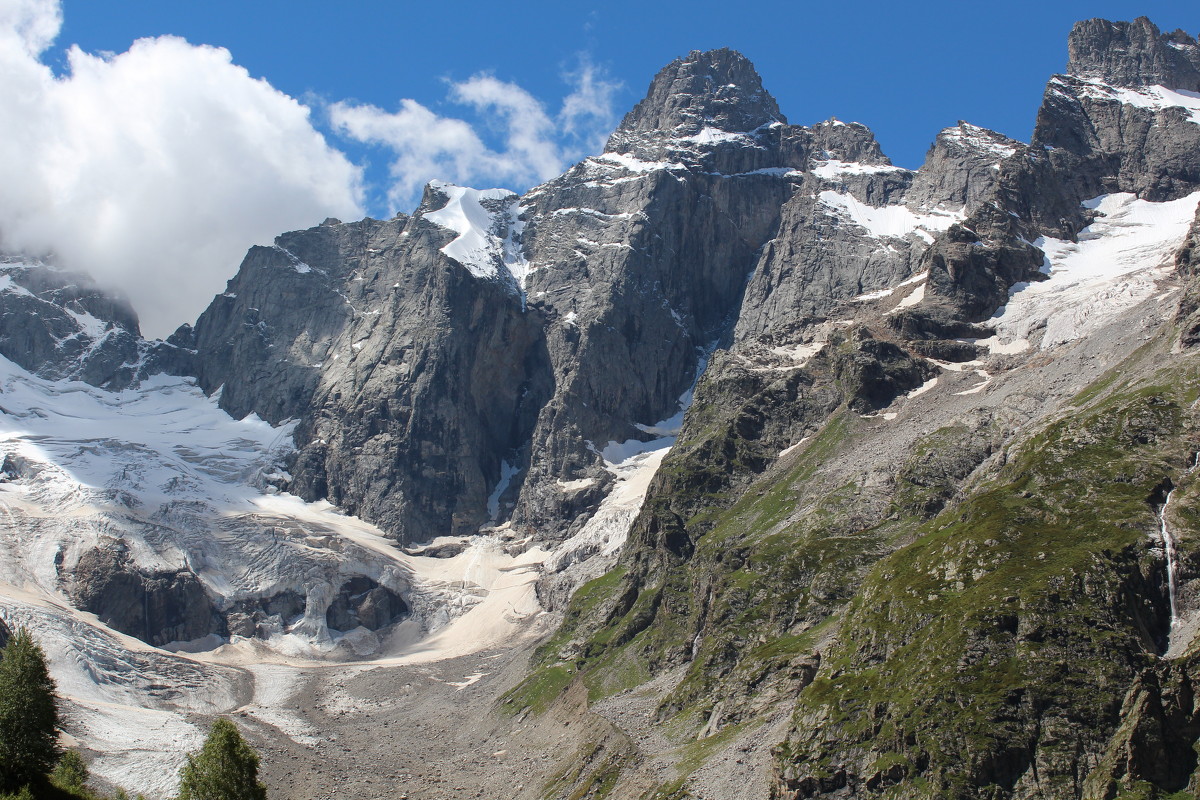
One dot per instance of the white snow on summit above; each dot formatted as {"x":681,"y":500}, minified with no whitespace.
{"x":1155,"y":98}
{"x":973,"y":137}
{"x":479,"y":246}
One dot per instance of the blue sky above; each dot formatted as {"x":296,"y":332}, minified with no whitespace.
{"x":904,"y":69}
{"x":150,"y":143}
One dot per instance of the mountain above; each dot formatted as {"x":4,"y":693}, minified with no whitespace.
{"x":806,"y":475}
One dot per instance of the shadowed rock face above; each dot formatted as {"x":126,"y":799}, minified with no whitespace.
{"x":1133,"y":54}
{"x":1187,"y":264}
{"x":5,"y":633}
{"x":162,"y":607}
{"x":261,"y":617}
{"x":412,"y":377}
{"x":157,"y":607}
{"x":60,"y":324}
{"x":363,"y":602}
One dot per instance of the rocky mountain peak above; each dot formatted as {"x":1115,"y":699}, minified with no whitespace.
{"x":846,"y":141}
{"x":1133,"y":54}
{"x":717,"y":89}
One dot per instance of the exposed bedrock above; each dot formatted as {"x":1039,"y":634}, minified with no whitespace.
{"x":161,"y":607}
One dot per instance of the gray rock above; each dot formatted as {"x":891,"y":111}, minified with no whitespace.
{"x":59,"y":324}
{"x":717,"y":89}
{"x":1133,"y":54}
{"x":1187,"y":264}
{"x":962,"y":168}
{"x":158,"y":607}
{"x":409,"y":374}
{"x":973,"y":265}
{"x":363,"y":602}
{"x":1101,"y":140}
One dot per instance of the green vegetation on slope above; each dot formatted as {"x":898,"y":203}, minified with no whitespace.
{"x":998,"y":646}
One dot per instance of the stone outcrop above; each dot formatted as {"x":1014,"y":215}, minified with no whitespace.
{"x":1133,"y":54}
{"x":412,"y":377}
{"x":1107,"y":121}
{"x":1187,"y":264}
{"x":157,"y":607}
{"x":59,"y":324}
{"x":163,"y":607}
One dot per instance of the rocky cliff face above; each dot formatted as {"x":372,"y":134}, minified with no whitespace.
{"x":413,"y":375}
{"x":973,"y":601}
{"x":456,"y":384}
{"x":926,"y":525}
{"x":1133,"y":54}
{"x":63,"y":326}
{"x":1116,"y":122}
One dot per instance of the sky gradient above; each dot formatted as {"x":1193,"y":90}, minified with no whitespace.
{"x":151,"y":143}
{"x":906,"y":70}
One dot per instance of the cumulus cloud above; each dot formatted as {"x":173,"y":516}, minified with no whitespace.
{"x":156,"y":168}
{"x":535,"y":145}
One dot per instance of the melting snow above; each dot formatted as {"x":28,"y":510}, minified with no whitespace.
{"x":888,"y":292}
{"x":793,"y":447}
{"x":833,"y":169}
{"x":716,"y":136}
{"x":1155,"y":98}
{"x":633,"y":164}
{"x":1115,"y":265}
{"x":894,"y":222}
{"x":923,"y":388}
{"x":913,"y":297}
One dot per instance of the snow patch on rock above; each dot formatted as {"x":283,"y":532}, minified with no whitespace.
{"x":489,"y":229}
{"x":893,"y":222}
{"x":1116,"y":264}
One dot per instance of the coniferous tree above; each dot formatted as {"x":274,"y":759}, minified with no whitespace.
{"x":225,"y":768}
{"x":71,"y":773}
{"x":28,"y":716}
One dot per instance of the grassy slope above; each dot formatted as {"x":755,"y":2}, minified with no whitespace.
{"x":973,"y":650}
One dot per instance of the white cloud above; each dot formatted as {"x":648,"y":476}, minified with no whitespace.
{"x":531,"y":152}
{"x":587,"y":112}
{"x":425,"y":146}
{"x":29,"y":25}
{"x":536,"y":146}
{"x":156,"y":168}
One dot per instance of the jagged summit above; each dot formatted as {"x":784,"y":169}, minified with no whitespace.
{"x":791,"y":424}
{"x":717,"y":89}
{"x":1133,"y":54}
